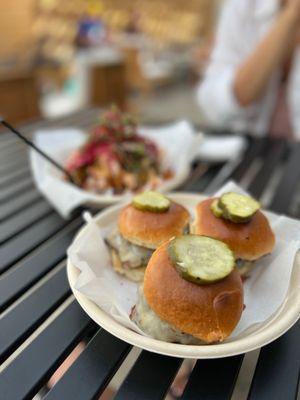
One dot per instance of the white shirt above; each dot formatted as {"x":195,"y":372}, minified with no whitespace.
{"x":242,"y":26}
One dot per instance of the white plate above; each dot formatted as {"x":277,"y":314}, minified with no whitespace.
{"x":271,"y":329}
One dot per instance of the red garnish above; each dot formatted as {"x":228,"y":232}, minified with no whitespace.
{"x":116,"y":156}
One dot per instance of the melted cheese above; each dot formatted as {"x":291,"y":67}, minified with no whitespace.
{"x":153,"y":326}
{"x":131,"y":255}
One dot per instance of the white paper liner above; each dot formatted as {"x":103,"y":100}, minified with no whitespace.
{"x":178,"y":142}
{"x":264,"y":291}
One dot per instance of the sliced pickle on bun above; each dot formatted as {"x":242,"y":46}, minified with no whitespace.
{"x":237,"y":207}
{"x":151,"y":201}
{"x":201,"y":259}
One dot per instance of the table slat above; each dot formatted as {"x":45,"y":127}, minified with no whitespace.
{"x":288,"y":183}
{"x":13,"y":177}
{"x":254,"y":150}
{"x":11,"y":144}
{"x":15,"y":190}
{"x":29,"y":239}
{"x":6,"y":137}
{"x":37,"y":362}
{"x":274,"y":154}
{"x":18,"y":203}
{"x":199,"y":185}
{"x":213,"y":379}
{"x":277,"y":372}
{"x":33,"y":267}
{"x":93,"y":369}
{"x":21,"y":220}
{"x":12,"y":152}
{"x":25,"y":317}
{"x":150,"y":377}
{"x":13,"y":165}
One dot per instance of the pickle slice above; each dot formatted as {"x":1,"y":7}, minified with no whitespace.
{"x":151,"y":201}
{"x":238,"y":207}
{"x":216,"y":210}
{"x":201,"y":259}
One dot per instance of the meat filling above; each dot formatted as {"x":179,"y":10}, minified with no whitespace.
{"x":131,"y":255}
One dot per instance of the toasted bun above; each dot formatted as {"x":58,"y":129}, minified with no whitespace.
{"x":148,"y":229}
{"x":207,"y":312}
{"x":134,"y":274}
{"x":248,"y":241}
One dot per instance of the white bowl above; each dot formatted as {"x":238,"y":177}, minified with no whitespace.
{"x":285,"y":317}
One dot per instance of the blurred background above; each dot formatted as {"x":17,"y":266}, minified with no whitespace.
{"x":147,"y":56}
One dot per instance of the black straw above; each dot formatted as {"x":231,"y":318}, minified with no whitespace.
{"x":33,"y":146}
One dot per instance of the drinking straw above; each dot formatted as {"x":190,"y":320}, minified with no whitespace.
{"x":33,"y":146}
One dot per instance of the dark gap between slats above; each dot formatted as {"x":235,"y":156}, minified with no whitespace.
{"x":29,"y":216}
{"x":26,"y":316}
{"x":95,"y":366}
{"x":213,"y":379}
{"x":150,"y":377}
{"x":20,"y":278}
{"x":45,"y":354}
{"x":18,"y":247}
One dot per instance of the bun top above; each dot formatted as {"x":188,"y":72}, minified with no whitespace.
{"x":207,"y":312}
{"x":149,"y":229}
{"x":249,"y":241}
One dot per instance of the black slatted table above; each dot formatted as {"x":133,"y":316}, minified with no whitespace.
{"x":41,"y":323}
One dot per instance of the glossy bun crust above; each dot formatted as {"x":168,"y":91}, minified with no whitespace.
{"x":208,"y":312}
{"x":248,"y":241}
{"x":149,"y":229}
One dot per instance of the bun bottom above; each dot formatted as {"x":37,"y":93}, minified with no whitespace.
{"x":133,"y":274}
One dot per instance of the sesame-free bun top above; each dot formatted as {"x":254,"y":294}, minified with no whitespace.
{"x":249,"y":241}
{"x":149,"y":229}
{"x":207,"y":312}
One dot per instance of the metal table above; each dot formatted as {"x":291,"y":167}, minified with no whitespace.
{"x":41,"y":323}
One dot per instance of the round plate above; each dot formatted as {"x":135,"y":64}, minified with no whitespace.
{"x":270,"y":330}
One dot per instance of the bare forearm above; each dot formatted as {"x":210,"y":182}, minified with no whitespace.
{"x":253,"y":75}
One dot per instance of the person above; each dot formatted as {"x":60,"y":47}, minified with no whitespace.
{"x":252,"y":83}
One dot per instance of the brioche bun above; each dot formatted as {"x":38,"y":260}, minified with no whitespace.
{"x":149,"y":229}
{"x":249,"y":241}
{"x":207,"y":312}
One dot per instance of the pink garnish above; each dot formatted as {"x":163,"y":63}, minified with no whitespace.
{"x":116,"y":156}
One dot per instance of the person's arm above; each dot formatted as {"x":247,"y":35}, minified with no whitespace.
{"x":254,"y":73}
